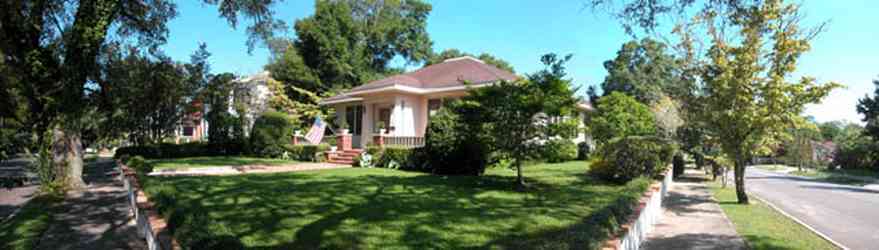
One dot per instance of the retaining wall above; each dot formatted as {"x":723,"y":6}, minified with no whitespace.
{"x":646,"y":214}
{"x":150,"y":225}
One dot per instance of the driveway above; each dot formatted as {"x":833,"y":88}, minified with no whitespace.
{"x":847,"y":214}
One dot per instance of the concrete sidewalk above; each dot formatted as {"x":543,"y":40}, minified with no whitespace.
{"x":692,"y":219}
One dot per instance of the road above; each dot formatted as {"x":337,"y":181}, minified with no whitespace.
{"x":847,"y":214}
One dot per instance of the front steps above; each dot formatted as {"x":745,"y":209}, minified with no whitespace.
{"x":343,"y":156}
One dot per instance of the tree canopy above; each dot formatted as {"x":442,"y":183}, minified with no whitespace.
{"x":620,"y":115}
{"x":869,"y":108}
{"x":347,"y":43}
{"x":514,"y":114}
{"x":57,"y":44}
{"x":644,"y":70}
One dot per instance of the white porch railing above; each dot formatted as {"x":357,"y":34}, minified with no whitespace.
{"x":404,"y":141}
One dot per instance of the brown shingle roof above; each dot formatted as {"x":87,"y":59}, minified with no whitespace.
{"x":446,"y":74}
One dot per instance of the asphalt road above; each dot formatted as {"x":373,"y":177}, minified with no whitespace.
{"x":847,"y":214}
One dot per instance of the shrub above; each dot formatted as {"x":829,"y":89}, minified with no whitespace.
{"x":635,"y":156}
{"x":678,"y":165}
{"x":583,"y":150}
{"x":397,"y":158}
{"x":699,"y":160}
{"x":559,"y":150}
{"x":168,"y":150}
{"x":453,"y":147}
{"x":270,"y":133}
{"x":312,"y":153}
{"x":139,"y":165}
{"x":856,"y":153}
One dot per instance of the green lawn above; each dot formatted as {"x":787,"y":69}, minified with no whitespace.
{"x":388,"y":209}
{"x":215,"y":161}
{"x":858,"y":177}
{"x":24,"y":230}
{"x":763,"y":227}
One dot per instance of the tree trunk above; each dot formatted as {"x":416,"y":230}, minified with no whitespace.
{"x":67,"y":156}
{"x":520,"y":181}
{"x":740,"y":180}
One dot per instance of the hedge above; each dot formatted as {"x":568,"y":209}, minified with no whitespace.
{"x":626,"y":158}
{"x":270,"y":133}
{"x":559,"y":150}
{"x":167,"y":150}
{"x":312,"y":153}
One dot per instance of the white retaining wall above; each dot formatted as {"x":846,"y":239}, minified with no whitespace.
{"x":141,"y":218}
{"x":649,"y":215}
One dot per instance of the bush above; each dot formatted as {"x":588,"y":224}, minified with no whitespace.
{"x":139,"y":165}
{"x":312,"y":153}
{"x":397,"y":158}
{"x":559,"y":150}
{"x":168,"y":150}
{"x":856,"y":153}
{"x":583,"y":150}
{"x":634,"y":156}
{"x":699,"y":160}
{"x":270,"y":133}
{"x":453,"y":147}
{"x":678,"y":165}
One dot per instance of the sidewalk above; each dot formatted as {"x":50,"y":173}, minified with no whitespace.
{"x":692,"y":219}
{"x":96,"y":218}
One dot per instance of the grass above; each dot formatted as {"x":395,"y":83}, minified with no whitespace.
{"x":215,"y":161}
{"x":370,"y":208}
{"x":763,"y":227}
{"x":23,"y":231}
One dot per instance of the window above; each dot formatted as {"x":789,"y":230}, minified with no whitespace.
{"x":188,"y":131}
{"x":433,"y":105}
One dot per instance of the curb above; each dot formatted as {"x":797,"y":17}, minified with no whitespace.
{"x":777,"y":209}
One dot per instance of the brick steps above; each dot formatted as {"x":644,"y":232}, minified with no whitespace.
{"x":343,"y":157}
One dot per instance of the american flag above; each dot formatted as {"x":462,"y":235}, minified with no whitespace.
{"x":316,"y":133}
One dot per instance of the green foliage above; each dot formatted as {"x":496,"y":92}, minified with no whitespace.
{"x":222,"y":123}
{"x":347,"y":43}
{"x":168,"y":150}
{"x":620,"y":115}
{"x":678,"y":164}
{"x":270,"y":132}
{"x":869,"y":108}
{"x":454,"y":145}
{"x":583,"y":150}
{"x":559,"y":150}
{"x":646,"y":71}
{"x":139,"y":164}
{"x":201,"y":232}
{"x":508,"y":111}
{"x":398,"y":158}
{"x":485,"y":57}
{"x":633,"y":156}
{"x":306,"y":152}
{"x":855,"y":150}
{"x":831,"y":130}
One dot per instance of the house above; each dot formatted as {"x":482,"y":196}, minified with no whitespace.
{"x":252,"y":92}
{"x":192,"y":127}
{"x":404,"y":103}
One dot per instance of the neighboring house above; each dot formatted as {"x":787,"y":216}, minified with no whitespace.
{"x":193,"y":127}
{"x":252,"y":93}
{"x":405,"y":102}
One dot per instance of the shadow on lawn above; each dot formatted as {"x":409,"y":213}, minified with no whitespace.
{"x":340,"y":211}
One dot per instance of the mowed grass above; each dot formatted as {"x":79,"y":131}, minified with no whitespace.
{"x":763,"y":227}
{"x":216,"y":161}
{"x":857,"y":177}
{"x":388,"y":209}
{"x":23,"y":231}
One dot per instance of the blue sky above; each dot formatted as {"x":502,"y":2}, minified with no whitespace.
{"x":520,"y":31}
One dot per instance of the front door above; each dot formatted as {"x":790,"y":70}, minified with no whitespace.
{"x":354,"y":118}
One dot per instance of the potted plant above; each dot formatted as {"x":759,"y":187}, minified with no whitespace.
{"x":343,"y":127}
{"x":381,"y":128}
